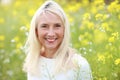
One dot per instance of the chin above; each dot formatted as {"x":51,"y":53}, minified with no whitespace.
{"x":51,"y":47}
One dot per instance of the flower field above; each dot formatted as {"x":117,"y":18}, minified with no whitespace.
{"x":95,"y":33}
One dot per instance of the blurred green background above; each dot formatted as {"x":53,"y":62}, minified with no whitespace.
{"x":95,"y":32}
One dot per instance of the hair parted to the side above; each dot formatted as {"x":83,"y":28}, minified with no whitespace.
{"x":33,"y":47}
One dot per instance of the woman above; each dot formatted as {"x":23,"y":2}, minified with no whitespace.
{"x":49,"y":56}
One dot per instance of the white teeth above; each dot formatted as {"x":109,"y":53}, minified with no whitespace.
{"x":51,"y":40}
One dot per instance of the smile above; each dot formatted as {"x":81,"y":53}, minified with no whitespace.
{"x":51,"y":40}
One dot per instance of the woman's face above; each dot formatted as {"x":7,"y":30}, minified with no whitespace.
{"x":50,"y":30}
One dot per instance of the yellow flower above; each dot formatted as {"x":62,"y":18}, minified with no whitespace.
{"x":111,"y":39}
{"x":98,"y":2}
{"x":115,"y":35}
{"x":2,"y":38}
{"x":2,"y":20}
{"x":19,"y":45}
{"x":105,"y":16}
{"x":105,"y":26}
{"x":117,"y":61}
{"x":17,"y":3}
{"x":16,"y":38}
{"x":74,"y":8}
{"x":86,"y":16}
{"x":99,"y":16}
{"x":31,"y":12}
{"x":85,"y":2}
{"x":114,"y":7}
{"x":94,"y":10}
{"x":91,"y":25}
{"x":84,"y":42}
{"x":101,"y":7}
{"x":101,"y":58}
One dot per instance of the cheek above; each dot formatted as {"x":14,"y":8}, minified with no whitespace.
{"x":41,"y":34}
{"x":62,"y":33}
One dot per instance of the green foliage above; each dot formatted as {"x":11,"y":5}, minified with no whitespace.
{"x":95,"y":34}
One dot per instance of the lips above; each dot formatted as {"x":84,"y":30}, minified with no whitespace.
{"x":51,"y":40}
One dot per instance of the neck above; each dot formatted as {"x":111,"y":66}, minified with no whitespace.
{"x":48,"y":53}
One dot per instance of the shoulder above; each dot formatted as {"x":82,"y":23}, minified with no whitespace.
{"x":79,"y":60}
{"x":81,"y":64}
{"x":82,"y":67}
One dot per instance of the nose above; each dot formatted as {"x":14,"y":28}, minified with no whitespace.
{"x":51,"y":32}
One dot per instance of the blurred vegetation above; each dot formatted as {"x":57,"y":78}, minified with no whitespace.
{"x":95,"y":34}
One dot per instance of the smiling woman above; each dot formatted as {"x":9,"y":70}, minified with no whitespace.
{"x":50,"y":32}
{"x":49,"y":56}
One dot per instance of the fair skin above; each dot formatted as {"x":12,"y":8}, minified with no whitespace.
{"x":50,"y":33}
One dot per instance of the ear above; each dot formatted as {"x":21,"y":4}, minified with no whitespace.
{"x":36,"y":32}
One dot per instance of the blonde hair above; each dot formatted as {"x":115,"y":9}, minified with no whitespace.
{"x":33,"y":46}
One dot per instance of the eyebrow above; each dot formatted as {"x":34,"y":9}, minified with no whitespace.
{"x":54,"y":23}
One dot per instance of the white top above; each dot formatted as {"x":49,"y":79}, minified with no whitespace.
{"x":47,"y":67}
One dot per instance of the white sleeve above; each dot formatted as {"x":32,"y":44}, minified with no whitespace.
{"x":84,"y":71}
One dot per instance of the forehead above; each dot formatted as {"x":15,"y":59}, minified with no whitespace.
{"x":49,"y":17}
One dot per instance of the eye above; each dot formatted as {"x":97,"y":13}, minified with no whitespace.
{"x":43,"y":26}
{"x":57,"y":25}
